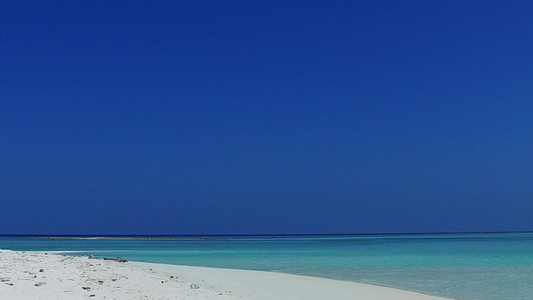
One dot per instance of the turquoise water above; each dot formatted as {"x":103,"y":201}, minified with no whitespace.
{"x":460,"y":266}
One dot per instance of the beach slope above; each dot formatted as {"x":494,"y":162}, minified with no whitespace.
{"x":40,"y":276}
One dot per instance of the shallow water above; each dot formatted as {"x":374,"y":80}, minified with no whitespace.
{"x":461,"y":266}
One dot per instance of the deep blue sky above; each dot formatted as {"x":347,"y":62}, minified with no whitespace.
{"x":254,"y":117}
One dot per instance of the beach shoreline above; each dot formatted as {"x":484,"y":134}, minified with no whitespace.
{"x":47,"y":276}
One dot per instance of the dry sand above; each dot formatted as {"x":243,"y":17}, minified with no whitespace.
{"x":51,"y":276}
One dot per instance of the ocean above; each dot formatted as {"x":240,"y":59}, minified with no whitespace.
{"x":495,"y":266}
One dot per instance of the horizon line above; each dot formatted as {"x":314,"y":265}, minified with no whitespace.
{"x":259,"y":235}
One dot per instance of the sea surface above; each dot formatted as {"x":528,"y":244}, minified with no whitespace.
{"x":497,"y":266}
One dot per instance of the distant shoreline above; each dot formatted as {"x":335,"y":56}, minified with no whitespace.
{"x":238,"y":236}
{"x":263,"y":235}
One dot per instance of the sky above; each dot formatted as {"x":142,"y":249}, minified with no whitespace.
{"x":265,"y":117}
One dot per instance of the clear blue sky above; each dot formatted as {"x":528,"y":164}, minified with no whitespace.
{"x":256,"y":117}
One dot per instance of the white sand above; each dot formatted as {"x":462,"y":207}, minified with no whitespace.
{"x":63,"y":277}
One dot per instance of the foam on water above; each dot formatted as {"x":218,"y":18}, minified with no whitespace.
{"x":461,"y":266}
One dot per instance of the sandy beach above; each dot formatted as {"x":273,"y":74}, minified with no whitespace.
{"x":54,"y":276}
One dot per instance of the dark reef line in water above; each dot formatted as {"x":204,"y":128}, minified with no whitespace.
{"x":128,"y":238}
